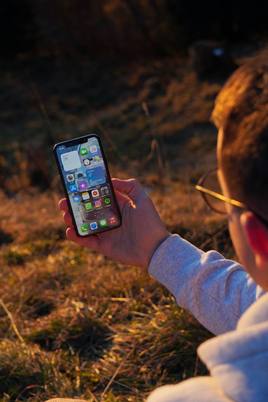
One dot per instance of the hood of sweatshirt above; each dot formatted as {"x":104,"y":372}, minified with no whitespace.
{"x":239,"y":359}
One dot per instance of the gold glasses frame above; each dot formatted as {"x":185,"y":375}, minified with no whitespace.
{"x":206,"y":191}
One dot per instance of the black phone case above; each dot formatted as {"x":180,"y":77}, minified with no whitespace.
{"x":74,"y":142}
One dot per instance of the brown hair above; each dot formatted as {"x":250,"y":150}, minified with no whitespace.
{"x":241,"y":112}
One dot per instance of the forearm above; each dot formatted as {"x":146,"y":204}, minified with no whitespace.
{"x":215,"y":290}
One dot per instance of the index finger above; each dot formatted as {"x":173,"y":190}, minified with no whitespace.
{"x":63,"y":205}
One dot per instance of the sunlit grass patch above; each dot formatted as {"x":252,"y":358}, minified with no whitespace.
{"x":20,"y":254}
{"x":159,"y":348}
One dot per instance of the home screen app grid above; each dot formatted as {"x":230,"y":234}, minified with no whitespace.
{"x":86,"y":181}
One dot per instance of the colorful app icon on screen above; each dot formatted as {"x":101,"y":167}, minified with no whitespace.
{"x":112,"y":220}
{"x":76,"y":198}
{"x":84,"y":228}
{"x":93,"y":225}
{"x":95,"y":193}
{"x":97,"y":204}
{"x":104,"y":190}
{"x":93,"y":149}
{"x":103,"y":222}
{"x":86,"y":162}
{"x":107,"y":200}
{"x":70,"y":177}
{"x":82,"y":185}
{"x":85,"y":196}
{"x":88,"y":206}
{"x":72,"y":188}
{"x":80,"y":175}
{"x":83,"y":151}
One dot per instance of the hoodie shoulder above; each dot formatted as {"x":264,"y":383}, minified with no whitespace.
{"x":238,"y":360}
{"x":256,"y":314}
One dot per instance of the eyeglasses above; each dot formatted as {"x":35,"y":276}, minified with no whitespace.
{"x":209,"y":187}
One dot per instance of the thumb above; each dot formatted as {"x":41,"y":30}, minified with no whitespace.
{"x":131,"y":187}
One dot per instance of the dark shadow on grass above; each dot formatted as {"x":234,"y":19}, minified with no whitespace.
{"x":17,"y":382}
{"x":48,"y":233}
{"x":38,"y":307}
{"x":5,"y":238}
{"x":24,"y":371}
{"x":85,"y":336}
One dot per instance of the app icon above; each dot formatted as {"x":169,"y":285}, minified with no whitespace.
{"x":79,"y":175}
{"x":112,"y":220}
{"x":93,"y":225}
{"x":82,"y":185}
{"x":83,"y":151}
{"x":103,"y":222}
{"x":72,"y":188}
{"x":97,"y":204}
{"x":96,"y":158}
{"x":88,"y":206}
{"x":84,"y":228}
{"x":107,"y":200}
{"x":85,"y":196}
{"x":76,"y":198}
{"x":86,"y":162}
{"x":93,"y":149}
{"x":104,"y":190}
{"x":95,"y":193}
{"x":70,"y":177}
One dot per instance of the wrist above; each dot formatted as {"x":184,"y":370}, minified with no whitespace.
{"x":157,"y":244}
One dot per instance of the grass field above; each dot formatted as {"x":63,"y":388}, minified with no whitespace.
{"x":72,"y":322}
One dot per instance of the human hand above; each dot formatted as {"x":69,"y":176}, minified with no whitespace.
{"x":142,"y":230}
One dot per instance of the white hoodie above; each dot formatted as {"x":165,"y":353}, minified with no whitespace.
{"x":218,"y":292}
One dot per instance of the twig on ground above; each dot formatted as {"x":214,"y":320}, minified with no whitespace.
{"x":13,"y":324}
{"x":106,"y":389}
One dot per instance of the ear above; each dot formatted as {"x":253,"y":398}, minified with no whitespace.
{"x":257,"y":235}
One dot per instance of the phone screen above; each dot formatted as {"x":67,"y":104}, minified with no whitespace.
{"x":88,"y":185}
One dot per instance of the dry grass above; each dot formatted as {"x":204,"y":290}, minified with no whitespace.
{"x":73,"y":323}
{"x":88,"y":326}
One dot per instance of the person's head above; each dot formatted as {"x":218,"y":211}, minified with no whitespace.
{"x":241,"y":116}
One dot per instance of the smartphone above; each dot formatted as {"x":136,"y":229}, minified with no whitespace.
{"x":87,"y":184}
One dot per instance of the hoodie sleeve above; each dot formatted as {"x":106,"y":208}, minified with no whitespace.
{"x":201,"y":389}
{"x":215,"y":290}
